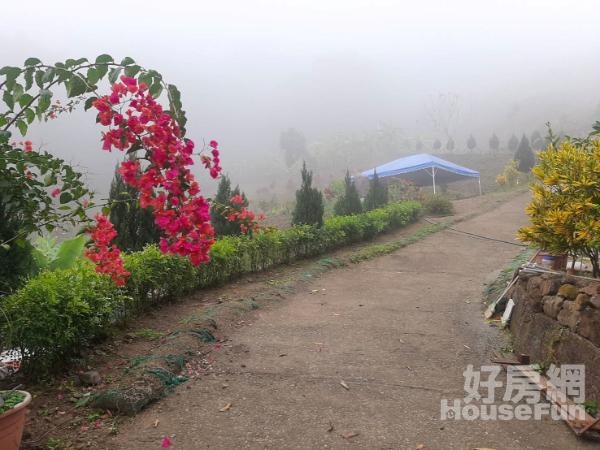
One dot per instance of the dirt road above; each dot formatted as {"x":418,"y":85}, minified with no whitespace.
{"x":362,"y":359}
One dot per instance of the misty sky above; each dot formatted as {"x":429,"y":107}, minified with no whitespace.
{"x":250,"y":69}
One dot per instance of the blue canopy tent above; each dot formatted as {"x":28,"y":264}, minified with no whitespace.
{"x":423,"y":169}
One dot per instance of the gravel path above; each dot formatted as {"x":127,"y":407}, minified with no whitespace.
{"x":362,"y":359}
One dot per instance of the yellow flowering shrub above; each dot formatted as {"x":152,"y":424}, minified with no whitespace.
{"x":565,"y":205}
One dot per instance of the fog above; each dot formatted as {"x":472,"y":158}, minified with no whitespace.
{"x":249,"y":70}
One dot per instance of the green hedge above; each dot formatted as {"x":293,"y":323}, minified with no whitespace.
{"x":57,"y":314}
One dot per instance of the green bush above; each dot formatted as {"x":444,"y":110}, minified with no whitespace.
{"x":59,"y":313}
{"x":438,"y":205}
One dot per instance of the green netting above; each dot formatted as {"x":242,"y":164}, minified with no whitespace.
{"x":127,"y":401}
{"x":204,"y":335}
{"x":167,"y":378}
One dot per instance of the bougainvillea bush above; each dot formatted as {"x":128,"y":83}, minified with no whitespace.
{"x":44,"y":192}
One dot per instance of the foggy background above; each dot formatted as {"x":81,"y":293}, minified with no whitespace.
{"x":337,"y":71}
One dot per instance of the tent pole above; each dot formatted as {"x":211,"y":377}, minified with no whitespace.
{"x":433,"y":178}
{"x":479,"y":181}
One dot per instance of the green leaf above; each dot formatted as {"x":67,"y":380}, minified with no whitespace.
{"x":32,"y":62}
{"x":65,"y":197}
{"x":89,"y":102}
{"x":93,"y":75}
{"x":9,"y":100}
{"x":127,"y":61}
{"x":44,"y":102}
{"x":29,"y":78}
{"x":113,"y":75}
{"x":22,"y":126}
{"x":156,"y":89}
{"x":68,"y":253}
{"x":11,"y":72}
{"x":5,"y":135}
{"x":48,"y":75}
{"x":39,"y":78}
{"x":104,"y":59}
{"x":30,"y":115}
{"x":132,"y":71}
{"x":106,"y":210}
{"x":145,"y":78}
{"x":76,"y":86}
{"x":17,"y":92}
{"x":25,"y":99}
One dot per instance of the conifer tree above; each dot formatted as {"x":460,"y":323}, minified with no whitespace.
{"x":524,"y":156}
{"x":349,"y":202}
{"x":494,"y":143}
{"x":437,"y":144}
{"x":378,"y":193}
{"x":309,"y":202}
{"x":221,"y":203}
{"x":450,"y":144}
{"x":471,"y":143}
{"x":135,"y":226}
{"x":513,"y":143}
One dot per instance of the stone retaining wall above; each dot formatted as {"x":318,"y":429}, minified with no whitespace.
{"x":556,"y":319}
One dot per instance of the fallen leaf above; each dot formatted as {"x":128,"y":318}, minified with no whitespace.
{"x":282,"y":354}
{"x":156,"y":423}
{"x":344,"y":385}
{"x":331,"y":427}
{"x":420,"y":447}
{"x":350,"y":434}
{"x":225,"y":408}
{"x":466,"y":346}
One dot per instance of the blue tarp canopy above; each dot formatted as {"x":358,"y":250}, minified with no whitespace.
{"x":423,"y":169}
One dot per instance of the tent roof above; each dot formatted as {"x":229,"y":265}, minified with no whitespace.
{"x":417,"y":168}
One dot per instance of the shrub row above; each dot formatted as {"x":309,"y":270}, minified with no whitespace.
{"x":59,"y":313}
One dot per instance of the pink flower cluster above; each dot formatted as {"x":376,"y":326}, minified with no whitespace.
{"x":106,"y":257}
{"x":165,"y":182}
{"x":247,"y":220}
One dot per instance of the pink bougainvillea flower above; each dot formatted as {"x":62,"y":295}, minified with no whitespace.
{"x":107,"y":257}
{"x":28,"y":147}
{"x":160,"y":170}
{"x":166,"y":442}
{"x":55,"y":192}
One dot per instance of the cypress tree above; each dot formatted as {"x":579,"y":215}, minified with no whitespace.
{"x":437,"y":144}
{"x":349,"y":202}
{"x":450,"y":144}
{"x":494,"y":143}
{"x":471,"y":143}
{"x":377,"y":195}
{"x":135,"y":226}
{"x":221,"y":202}
{"x":524,"y":156}
{"x":309,"y":202}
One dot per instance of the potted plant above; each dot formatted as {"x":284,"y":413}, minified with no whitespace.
{"x":13,"y":407}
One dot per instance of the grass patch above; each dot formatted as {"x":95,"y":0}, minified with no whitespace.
{"x":373,"y":251}
{"x":493,"y":290}
{"x":148,"y":334}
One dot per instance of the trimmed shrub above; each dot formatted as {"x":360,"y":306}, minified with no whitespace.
{"x":438,"y":205}
{"x":57,"y":314}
